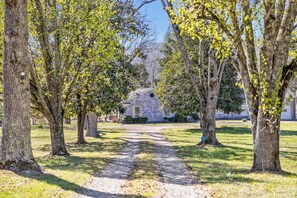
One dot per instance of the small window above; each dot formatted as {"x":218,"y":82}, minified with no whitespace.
{"x":137,"y":112}
{"x":152,"y":95}
{"x":285,"y":110}
{"x":167,"y":113}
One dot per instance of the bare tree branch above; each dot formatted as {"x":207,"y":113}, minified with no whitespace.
{"x":144,"y":3}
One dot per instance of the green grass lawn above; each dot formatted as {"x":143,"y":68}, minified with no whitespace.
{"x":63,"y":175}
{"x":225,"y":168}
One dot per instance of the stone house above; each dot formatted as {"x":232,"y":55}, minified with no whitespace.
{"x":145,"y":103}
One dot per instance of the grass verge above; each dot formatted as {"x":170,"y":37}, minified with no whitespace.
{"x":225,"y":168}
{"x":63,"y":175}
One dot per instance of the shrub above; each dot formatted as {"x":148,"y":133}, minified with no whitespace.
{"x":140,"y":120}
{"x":171,"y":119}
{"x":180,"y":118}
{"x":195,"y":116}
{"x":127,"y":120}
{"x":144,"y":119}
{"x":244,"y":120}
{"x":40,"y":126}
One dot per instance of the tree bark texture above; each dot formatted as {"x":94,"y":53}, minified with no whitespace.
{"x":91,"y":120}
{"x":48,"y":98}
{"x":205,"y":81}
{"x":16,"y":153}
{"x":58,"y":146}
{"x":265,"y":90}
{"x":266,"y":145}
{"x":68,"y":120}
{"x":81,"y":121}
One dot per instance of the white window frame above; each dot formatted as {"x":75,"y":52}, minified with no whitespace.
{"x":164,"y":115}
{"x":140,"y":109}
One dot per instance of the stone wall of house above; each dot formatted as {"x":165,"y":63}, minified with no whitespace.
{"x":150,"y":107}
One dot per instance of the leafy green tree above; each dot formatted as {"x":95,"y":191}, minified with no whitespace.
{"x":176,"y":91}
{"x":231,"y":95}
{"x":101,"y":93}
{"x":258,"y":36}
{"x":110,"y":80}
{"x":68,"y":40}
{"x":205,"y":68}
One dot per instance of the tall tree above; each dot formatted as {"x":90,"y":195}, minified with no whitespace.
{"x":205,"y":74}
{"x":107,"y":78}
{"x":176,"y":91}
{"x":1,"y":31}
{"x":16,"y":152}
{"x":66,"y":37}
{"x":258,"y":35}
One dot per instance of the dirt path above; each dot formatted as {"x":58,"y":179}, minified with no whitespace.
{"x":175,"y":182}
{"x":108,"y":183}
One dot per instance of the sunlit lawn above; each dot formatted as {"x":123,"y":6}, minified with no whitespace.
{"x":225,"y":169}
{"x":64,"y":175}
{"x":108,"y":124}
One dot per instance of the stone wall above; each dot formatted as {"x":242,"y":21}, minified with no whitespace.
{"x":150,"y":106}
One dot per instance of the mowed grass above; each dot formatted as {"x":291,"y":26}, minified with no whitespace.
{"x":62,"y":175}
{"x":225,"y":168}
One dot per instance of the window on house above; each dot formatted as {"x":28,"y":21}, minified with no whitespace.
{"x":137,"y":112}
{"x":285,"y":110}
{"x":167,"y":113}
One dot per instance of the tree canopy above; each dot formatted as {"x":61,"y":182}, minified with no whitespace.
{"x":176,"y":90}
{"x":257,"y":36}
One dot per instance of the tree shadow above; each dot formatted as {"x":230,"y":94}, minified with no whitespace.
{"x":74,"y":163}
{"x":239,"y":131}
{"x":69,"y":186}
{"x":287,"y":133}
{"x":212,"y":166}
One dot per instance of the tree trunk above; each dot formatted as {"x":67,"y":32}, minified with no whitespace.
{"x":266,"y":145}
{"x":57,"y":137}
{"x":208,"y":123}
{"x":92,"y":125}
{"x":81,"y":121}
{"x":68,"y":121}
{"x":16,"y":152}
{"x":80,"y":129}
{"x":209,"y":131}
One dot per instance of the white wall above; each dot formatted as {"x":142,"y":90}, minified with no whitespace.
{"x":288,"y":111}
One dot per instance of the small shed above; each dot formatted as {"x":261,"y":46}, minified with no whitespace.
{"x":145,"y":103}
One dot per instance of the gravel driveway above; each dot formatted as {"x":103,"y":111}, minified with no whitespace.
{"x":176,"y":180}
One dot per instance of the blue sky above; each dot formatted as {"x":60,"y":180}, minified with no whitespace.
{"x":157,"y":17}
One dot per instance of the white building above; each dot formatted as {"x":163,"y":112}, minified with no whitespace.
{"x":288,"y":112}
{"x":145,"y":103}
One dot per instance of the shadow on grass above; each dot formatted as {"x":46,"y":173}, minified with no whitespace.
{"x":212,"y":164}
{"x":287,"y":133}
{"x":69,"y":186}
{"x":73,"y":163}
{"x":225,"y":130}
{"x":239,"y":130}
{"x":89,"y":147}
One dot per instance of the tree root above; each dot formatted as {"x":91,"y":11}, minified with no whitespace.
{"x":21,"y":166}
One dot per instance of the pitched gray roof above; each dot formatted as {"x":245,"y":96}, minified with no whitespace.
{"x":137,"y":93}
